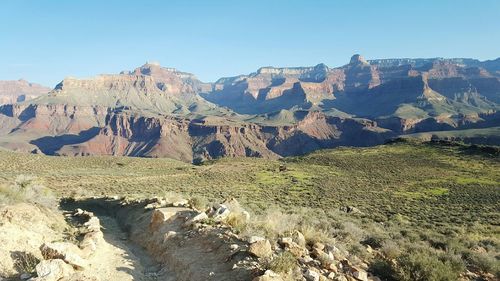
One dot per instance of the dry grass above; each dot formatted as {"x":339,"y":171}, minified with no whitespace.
{"x":25,"y":262}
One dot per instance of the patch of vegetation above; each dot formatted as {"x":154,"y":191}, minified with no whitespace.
{"x":282,"y":263}
{"x":421,"y":265}
{"x":442,"y":197}
{"x":25,"y":262}
{"x":27,"y":189}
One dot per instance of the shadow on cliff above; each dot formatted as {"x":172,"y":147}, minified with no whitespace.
{"x":51,"y":144}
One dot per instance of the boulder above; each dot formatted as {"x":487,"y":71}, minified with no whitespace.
{"x":294,"y":248}
{"x":299,"y":238}
{"x":297,"y":251}
{"x":359,"y":274}
{"x":261,"y":249}
{"x":199,"y":217}
{"x":52,"y":270}
{"x":161,"y":215}
{"x":221,"y":212}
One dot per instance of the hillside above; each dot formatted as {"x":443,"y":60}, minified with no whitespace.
{"x":401,"y":195}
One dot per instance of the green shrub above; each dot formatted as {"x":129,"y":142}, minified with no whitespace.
{"x":282,"y":263}
{"x":374,"y":241}
{"x":382,"y":269}
{"x":483,"y":262}
{"x":425,"y":265}
{"x":390,"y":249}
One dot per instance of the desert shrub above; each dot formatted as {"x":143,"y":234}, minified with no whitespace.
{"x":198,"y":202}
{"x":374,"y":241}
{"x":314,"y":233}
{"x":282,"y":263}
{"x":390,"y":249}
{"x":483,"y":262}
{"x":237,"y":220}
{"x":382,"y":269}
{"x":272,"y":224}
{"x":421,"y":264}
{"x":25,"y":262}
{"x":351,"y":233}
{"x":27,"y":189}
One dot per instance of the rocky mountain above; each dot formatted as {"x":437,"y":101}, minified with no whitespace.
{"x":162,"y":112}
{"x":20,"y":90}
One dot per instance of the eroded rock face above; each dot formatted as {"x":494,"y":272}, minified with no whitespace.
{"x":162,"y":112}
{"x":194,"y":141}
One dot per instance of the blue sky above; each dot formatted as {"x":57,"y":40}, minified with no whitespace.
{"x":44,"y":41}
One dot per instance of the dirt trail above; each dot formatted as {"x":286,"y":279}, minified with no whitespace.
{"x":173,"y":250}
{"x":120,"y":259}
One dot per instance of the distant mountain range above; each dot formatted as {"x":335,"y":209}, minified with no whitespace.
{"x":154,"y":111}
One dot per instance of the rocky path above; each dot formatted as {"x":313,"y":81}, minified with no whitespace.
{"x":119,"y":259}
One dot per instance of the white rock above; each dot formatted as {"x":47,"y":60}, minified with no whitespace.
{"x":199,"y":217}
{"x":221,"y":213}
{"x":254,"y":239}
{"x":52,"y":270}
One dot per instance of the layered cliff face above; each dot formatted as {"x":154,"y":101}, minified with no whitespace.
{"x":462,"y":86}
{"x":162,"y":112}
{"x":197,"y":140}
{"x":20,"y":90}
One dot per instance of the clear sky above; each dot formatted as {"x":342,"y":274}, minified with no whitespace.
{"x":44,"y":41}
